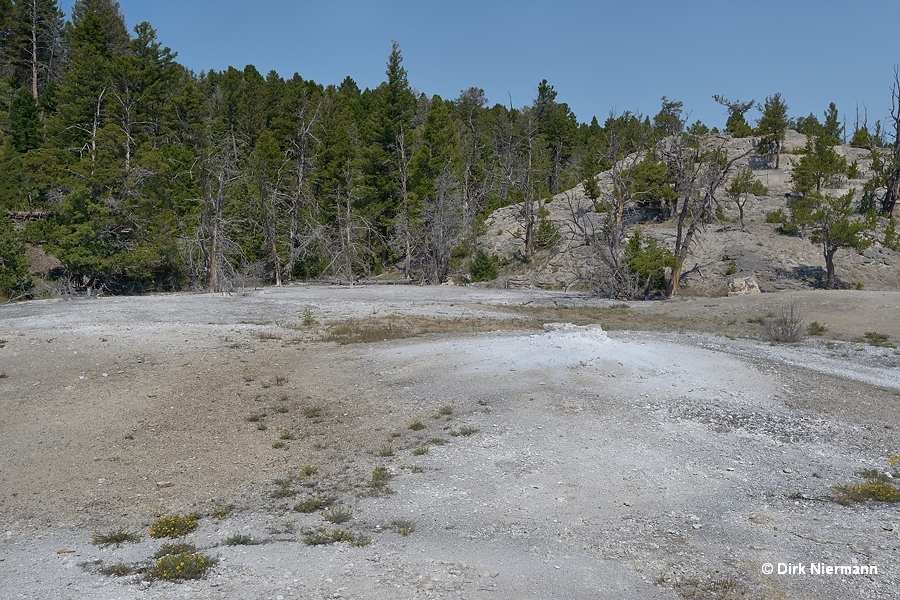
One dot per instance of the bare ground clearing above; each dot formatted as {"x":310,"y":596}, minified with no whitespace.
{"x":670,"y":458}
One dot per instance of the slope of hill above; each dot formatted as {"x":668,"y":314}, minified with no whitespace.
{"x":723,"y":251}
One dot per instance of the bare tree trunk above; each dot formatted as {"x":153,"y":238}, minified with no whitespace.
{"x":34,"y":49}
{"x":889,"y":202}
{"x":302,"y":150}
{"x":221,"y":174}
{"x":698,"y":174}
{"x":403,"y":162}
{"x":95,"y":129}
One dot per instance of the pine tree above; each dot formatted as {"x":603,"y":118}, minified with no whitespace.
{"x":35,"y":49}
{"x":773,"y":124}
{"x":140,"y":79}
{"x":24,"y":122}
{"x":736,"y":124}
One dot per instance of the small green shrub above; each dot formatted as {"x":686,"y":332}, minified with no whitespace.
{"x":420,"y":450}
{"x":174,"y":526}
{"x":114,"y":538}
{"x":874,"y":338}
{"x":816,"y":328}
{"x":182,"y":548}
{"x":287,"y":434}
{"x":732,"y":268}
{"x":878,"y":491}
{"x":178,"y":567}
{"x":644,"y":257}
{"x":308,"y":317}
{"x":417,"y":426}
{"x":776,"y":216}
{"x":546,"y":235}
{"x":380,"y":478}
{"x":312,"y":412}
{"x":445,"y":410}
{"x":279,"y":445}
{"x":484,"y":267}
{"x":879,"y":486}
{"x":891,"y":239}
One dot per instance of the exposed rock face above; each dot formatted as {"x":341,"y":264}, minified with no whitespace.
{"x":741,"y":286}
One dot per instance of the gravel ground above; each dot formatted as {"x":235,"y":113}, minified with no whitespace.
{"x":601,"y":464}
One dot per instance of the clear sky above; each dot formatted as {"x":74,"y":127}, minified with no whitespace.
{"x":599,"y":55}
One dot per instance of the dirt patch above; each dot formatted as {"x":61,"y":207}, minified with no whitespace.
{"x":652,"y":457}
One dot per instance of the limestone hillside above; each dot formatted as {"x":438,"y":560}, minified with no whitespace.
{"x":777,"y":261}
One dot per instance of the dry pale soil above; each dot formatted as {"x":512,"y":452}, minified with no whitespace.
{"x":601,"y":462}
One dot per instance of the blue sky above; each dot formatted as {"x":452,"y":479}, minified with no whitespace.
{"x":599,"y":56}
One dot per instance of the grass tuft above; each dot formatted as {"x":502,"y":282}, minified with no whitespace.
{"x":117,"y":570}
{"x":313,"y":503}
{"x":338,"y":514}
{"x":239,"y":539}
{"x":465,"y":430}
{"x":284,"y":489}
{"x":385,"y":450}
{"x":380,"y":478}
{"x":321,"y":537}
{"x":114,"y":538}
{"x":403,"y":527}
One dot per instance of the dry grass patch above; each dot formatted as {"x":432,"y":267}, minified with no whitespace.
{"x":114,"y":538}
{"x":380,"y":329}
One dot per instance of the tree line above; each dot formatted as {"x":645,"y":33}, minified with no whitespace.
{"x":156,"y":178}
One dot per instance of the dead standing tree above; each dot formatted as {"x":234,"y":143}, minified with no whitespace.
{"x":602,"y":226}
{"x":443,"y":225}
{"x":302,"y":152}
{"x":219,"y":173}
{"x":892,"y":179}
{"x":699,"y":167}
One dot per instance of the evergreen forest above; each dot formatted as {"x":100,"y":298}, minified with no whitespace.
{"x":138,"y":175}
